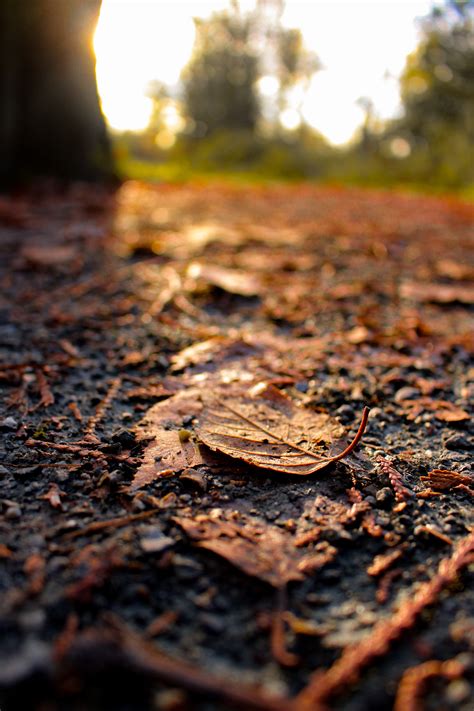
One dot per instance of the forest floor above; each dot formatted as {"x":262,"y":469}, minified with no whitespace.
{"x":179,"y":366}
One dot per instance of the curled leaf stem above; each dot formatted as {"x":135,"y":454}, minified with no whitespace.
{"x":357,"y":438}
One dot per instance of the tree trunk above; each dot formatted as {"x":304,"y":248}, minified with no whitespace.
{"x":50,"y":118}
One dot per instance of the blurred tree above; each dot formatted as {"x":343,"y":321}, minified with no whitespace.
{"x":232,"y":51}
{"x":438,"y":92}
{"x":296,"y":65}
{"x":50,"y":118}
{"x":284,"y":58}
{"x":219,"y":83}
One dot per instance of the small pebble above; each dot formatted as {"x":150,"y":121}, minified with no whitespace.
{"x":458,"y":441}
{"x":212,"y":623}
{"x":9,"y":423}
{"x":155,"y":543}
{"x":458,"y":690}
{"x":12,"y":512}
{"x":345,"y":413}
{"x":195,"y":478}
{"x":376,"y":412}
{"x":384,"y":498}
{"x":124,"y":437}
{"x":272,"y":515}
{"x":406,"y":393}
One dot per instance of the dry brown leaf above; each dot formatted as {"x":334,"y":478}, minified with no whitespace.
{"x":437,"y":293}
{"x":216,"y":351}
{"x":442,"y":409}
{"x":168,"y":454}
{"x":198,"y":353}
{"x":47,"y":397}
{"x":444,"y":479}
{"x":53,"y":495}
{"x":44,"y":255}
{"x":454,"y":270}
{"x":235,"y":281}
{"x":266,"y":429}
{"x":171,"y":450}
{"x":260,"y":549}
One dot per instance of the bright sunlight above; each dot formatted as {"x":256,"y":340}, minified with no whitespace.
{"x":362,"y":47}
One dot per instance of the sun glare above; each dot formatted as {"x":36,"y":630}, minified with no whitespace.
{"x":362,"y":47}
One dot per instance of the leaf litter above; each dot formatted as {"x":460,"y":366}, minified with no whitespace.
{"x":266,"y":430}
{"x":202,"y":299}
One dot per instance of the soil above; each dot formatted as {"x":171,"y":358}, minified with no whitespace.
{"x":214,"y":583}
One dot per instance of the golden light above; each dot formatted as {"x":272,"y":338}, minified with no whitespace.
{"x":362,"y":47}
{"x":137,"y":41}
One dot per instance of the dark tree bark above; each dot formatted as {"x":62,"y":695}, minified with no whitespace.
{"x":50,"y":118}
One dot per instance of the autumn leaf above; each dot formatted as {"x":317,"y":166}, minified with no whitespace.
{"x":437,"y":293}
{"x":266,"y":429}
{"x":171,"y":452}
{"x":442,"y":409}
{"x":234,"y":281}
{"x":172,"y":448}
{"x":444,"y":479}
{"x":49,"y":256}
{"x":259,"y":549}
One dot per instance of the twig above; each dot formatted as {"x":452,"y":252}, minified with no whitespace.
{"x":47,"y":397}
{"x":413,"y":681}
{"x":149,"y":659}
{"x":103,"y":405}
{"x":396,"y":480}
{"x":117,"y":522}
{"x":347,"y":669}
{"x":357,"y":438}
{"x":279,"y":651}
{"x":385,"y":583}
{"x":60,"y":447}
{"x":381,"y":563}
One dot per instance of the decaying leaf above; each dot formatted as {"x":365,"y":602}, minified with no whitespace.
{"x":442,"y":409}
{"x":266,"y":429}
{"x":168,"y":454}
{"x":171,"y":449}
{"x":234,"y":281}
{"x":50,"y":256}
{"x":437,"y":293}
{"x":260,"y":549}
{"x":444,"y":479}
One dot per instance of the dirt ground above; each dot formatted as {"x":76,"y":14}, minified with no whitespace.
{"x":149,"y":559}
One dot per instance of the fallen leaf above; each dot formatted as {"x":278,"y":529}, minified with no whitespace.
{"x":259,"y":549}
{"x":444,"y":479}
{"x":266,"y":429}
{"x":454,"y":270}
{"x":234,"y":281}
{"x":47,"y":397}
{"x":442,"y":409}
{"x":171,"y":449}
{"x":53,"y":495}
{"x":437,"y":293}
{"x":167,"y":455}
{"x":358,"y":335}
{"x":5,"y":552}
{"x":49,"y":256}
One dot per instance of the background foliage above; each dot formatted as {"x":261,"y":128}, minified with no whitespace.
{"x":229,"y":127}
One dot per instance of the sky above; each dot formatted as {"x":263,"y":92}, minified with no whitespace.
{"x":362,"y":47}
